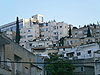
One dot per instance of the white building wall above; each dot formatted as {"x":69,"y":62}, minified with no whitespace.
{"x":82,"y":52}
{"x":54,"y":30}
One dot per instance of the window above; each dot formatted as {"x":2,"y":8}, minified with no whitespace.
{"x":47,"y":43}
{"x":41,"y":25}
{"x":54,"y":33}
{"x":78,"y":54}
{"x":42,"y":30}
{"x":89,"y":52}
{"x":82,"y":69}
{"x":85,"y":31}
{"x":75,"y":33}
{"x":28,"y":30}
{"x":71,"y":42}
{"x":54,"y":27}
{"x":30,"y":36}
{"x":56,"y":38}
{"x":57,"y":27}
{"x":23,"y":45}
{"x":46,"y":24}
{"x":60,"y":33}
{"x":60,"y":26}
{"x":20,"y":26}
{"x":30,"y":44}
{"x":47,"y":29}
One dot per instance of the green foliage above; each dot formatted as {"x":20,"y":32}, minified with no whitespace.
{"x":17,"y":31}
{"x":61,"y":41}
{"x":59,"y":66}
{"x":70,"y":32}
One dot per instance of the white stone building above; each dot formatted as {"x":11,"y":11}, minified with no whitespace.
{"x":29,"y":33}
{"x":54,"y":30}
{"x":80,"y":52}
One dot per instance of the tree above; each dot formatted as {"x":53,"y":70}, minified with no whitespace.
{"x":61,"y":41}
{"x":58,"y":66}
{"x":70,"y":32}
{"x":88,"y":32}
{"x":17,"y":31}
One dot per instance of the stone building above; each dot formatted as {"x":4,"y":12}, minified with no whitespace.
{"x":16,"y":60}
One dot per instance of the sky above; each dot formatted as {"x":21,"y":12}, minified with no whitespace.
{"x":75,"y":12}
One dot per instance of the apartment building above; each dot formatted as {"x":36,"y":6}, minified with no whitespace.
{"x":78,"y":41}
{"x":22,"y":23}
{"x":80,"y":52}
{"x":16,"y":60}
{"x":82,"y":31}
{"x":29,"y":33}
{"x":54,"y":31}
{"x":83,"y":57}
{"x":26,"y":26}
{"x":36,"y":44}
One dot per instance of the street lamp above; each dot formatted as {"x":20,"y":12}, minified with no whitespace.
{"x":97,"y":52}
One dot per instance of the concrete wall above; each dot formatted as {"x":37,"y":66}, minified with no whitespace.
{"x":14,"y":49}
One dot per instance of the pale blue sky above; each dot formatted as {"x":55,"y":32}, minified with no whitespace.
{"x":76,"y":12}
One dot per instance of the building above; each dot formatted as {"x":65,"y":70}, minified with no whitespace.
{"x":31,"y":24}
{"x":16,"y":60}
{"x":80,"y":52}
{"x":29,"y":45}
{"x":86,"y":58}
{"x":22,"y":23}
{"x":78,"y":41}
{"x":53,"y":30}
{"x":30,"y":33}
{"x":84,"y":67}
{"x":82,"y":32}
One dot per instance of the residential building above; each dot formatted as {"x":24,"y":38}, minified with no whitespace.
{"x":36,"y":44}
{"x":78,"y":41}
{"x":23,"y":23}
{"x":86,"y":58}
{"x":53,"y":30}
{"x":80,"y":52}
{"x":29,"y":33}
{"x":82,"y":31}
{"x":28,"y":27}
{"x":16,"y":60}
{"x":84,"y":66}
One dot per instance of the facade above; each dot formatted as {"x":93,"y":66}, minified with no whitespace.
{"x":36,"y":44}
{"x":31,"y":24}
{"x":86,"y":58}
{"x":84,"y":67}
{"x":54,"y":30}
{"x":78,"y":41}
{"x":29,"y":33}
{"x":82,"y":31}
{"x":80,"y":52}
{"x":22,"y":23}
{"x":16,"y":59}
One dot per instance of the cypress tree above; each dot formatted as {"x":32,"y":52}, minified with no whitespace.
{"x":70,"y":33}
{"x":88,"y":32}
{"x":17,"y":31}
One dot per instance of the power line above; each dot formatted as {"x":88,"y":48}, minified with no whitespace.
{"x":49,"y":63}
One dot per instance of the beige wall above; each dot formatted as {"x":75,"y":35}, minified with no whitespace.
{"x":14,"y":49}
